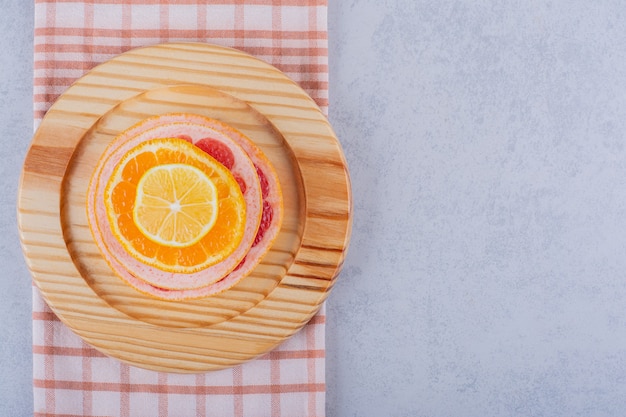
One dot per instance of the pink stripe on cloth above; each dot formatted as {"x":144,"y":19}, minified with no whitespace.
{"x":69,"y":377}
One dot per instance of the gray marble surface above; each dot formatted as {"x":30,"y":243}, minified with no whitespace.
{"x":487,"y":149}
{"x":16,"y":121}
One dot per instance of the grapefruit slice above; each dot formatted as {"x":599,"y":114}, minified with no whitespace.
{"x":252,"y":171}
{"x":127,"y":265}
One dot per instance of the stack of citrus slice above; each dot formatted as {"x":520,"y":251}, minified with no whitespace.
{"x":182,"y":206}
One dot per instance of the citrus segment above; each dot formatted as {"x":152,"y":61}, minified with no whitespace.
{"x":217,"y":150}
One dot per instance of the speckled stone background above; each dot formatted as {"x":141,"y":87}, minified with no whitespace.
{"x":487,"y":270}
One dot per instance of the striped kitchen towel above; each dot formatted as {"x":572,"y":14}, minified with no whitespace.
{"x":70,"y":377}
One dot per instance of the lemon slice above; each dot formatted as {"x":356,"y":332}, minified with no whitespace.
{"x":176,"y":205}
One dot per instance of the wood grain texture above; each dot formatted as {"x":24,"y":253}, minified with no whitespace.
{"x":265,"y":308}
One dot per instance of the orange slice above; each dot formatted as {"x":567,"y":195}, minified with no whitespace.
{"x":176,"y":205}
{"x":173,"y":207}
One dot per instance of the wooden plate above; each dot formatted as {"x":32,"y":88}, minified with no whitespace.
{"x":264,"y":309}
